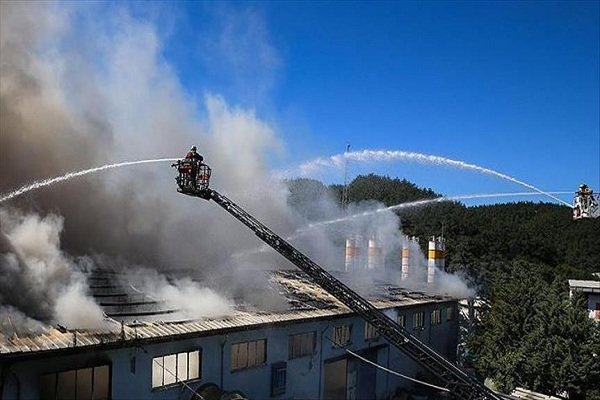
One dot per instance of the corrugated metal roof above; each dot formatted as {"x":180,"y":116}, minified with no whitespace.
{"x":584,"y":286}
{"x":127,"y":334}
{"x":53,"y":339}
{"x":525,"y":394}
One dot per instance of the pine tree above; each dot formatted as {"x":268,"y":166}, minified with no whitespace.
{"x":502,"y":355}
{"x":536,"y":337}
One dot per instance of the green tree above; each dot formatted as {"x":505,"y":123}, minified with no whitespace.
{"x":564,"y":346}
{"x":536,"y":337}
{"x":501,"y":354}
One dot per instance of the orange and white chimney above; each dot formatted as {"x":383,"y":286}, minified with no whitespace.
{"x":435,"y":257}
{"x":405,"y":261}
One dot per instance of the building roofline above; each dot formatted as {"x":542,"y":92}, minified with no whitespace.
{"x":586,"y":286}
{"x":56,"y":342}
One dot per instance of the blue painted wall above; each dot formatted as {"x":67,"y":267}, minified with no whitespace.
{"x":305,"y":375}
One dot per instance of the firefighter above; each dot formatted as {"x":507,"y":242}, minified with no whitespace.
{"x":196,"y":160}
{"x":193,"y":155}
{"x":584,"y":193}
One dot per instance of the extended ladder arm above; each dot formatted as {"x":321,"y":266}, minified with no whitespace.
{"x":461,"y":384}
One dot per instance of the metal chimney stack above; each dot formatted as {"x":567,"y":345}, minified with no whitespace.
{"x":374,"y":255}
{"x":351,"y":254}
{"x":406,"y":259}
{"x":435,"y":257}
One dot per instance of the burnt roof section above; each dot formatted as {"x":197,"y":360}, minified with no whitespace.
{"x":305,"y":301}
{"x":121,"y":300}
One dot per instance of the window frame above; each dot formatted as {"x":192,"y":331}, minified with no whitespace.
{"x":401,"y":320}
{"x":54,"y":376}
{"x":450,"y":313}
{"x":435,"y":317}
{"x":371,"y":332}
{"x":419,"y":323}
{"x":235,"y":347}
{"x":178,"y":381}
{"x":276,"y":368}
{"x":342,"y":328}
{"x":293,"y":343}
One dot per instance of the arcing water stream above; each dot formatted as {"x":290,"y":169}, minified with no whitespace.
{"x":305,"y":168}
{"x":50,"y":181}
{"x":417,"y":203}
{"x":413,"y":204}
{"x":338,"y":160}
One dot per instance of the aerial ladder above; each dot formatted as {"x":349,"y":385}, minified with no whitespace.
{"x":461,"y":384}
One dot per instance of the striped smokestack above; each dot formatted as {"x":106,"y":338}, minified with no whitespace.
{"x":405,"y":259}
{"x":435,"y":257}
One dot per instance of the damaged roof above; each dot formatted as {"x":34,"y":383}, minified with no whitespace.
{"x":306,"y":300}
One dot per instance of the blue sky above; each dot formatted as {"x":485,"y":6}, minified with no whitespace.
{"x":512,"y":86}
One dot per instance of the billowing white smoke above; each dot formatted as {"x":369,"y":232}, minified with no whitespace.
{"x":189,"y":298}
{"x":74,"y":96}
{"x":75,"y":309}
{"x":385,"y":226}
{"x":454,"y":285}
{"x":38,"y":279}
{"x":326,"y":227}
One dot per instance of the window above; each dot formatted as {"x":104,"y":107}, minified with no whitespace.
{"x":248,"y":354}
{"x":173,"y":368}
{"x":278,"y":378}
{"x":418,"y":320}
{"x":436,"y":317}
{"x":370,"y":332}
{"x":341,"y":335}
{"x":301,"y":345}
{"x":81,"y":384}
{"x":402,"y":320}
{"x":450,"y":314}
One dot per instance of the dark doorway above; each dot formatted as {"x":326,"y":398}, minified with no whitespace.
{"x":366,"y":376}
{"x":335,"y":380}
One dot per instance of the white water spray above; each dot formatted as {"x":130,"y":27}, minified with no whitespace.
{"x":338,"y":161}
{"x":413,"y":204}
{"x":50,"y":181}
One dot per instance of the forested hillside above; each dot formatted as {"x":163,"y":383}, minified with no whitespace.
{"x":483,"y":240}
{"x":519,"y":256}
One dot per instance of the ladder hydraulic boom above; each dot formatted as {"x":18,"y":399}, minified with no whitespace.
{"x":461,"y":384}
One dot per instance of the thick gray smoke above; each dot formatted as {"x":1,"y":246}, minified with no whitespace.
{"x":37,"y":278}
{"x":77,"y":95}
{"x":74,"y":96}
{"x":63,"y":109}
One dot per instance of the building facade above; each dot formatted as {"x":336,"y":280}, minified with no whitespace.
{"x":296,"y":354}
{"x":591,"y":291}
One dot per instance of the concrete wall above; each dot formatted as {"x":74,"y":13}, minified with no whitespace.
{"x":131,"y":367}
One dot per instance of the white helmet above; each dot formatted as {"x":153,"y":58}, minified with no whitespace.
{"x":193,"y":148}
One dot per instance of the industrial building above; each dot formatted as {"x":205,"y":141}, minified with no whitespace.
{"x":591,"y":291}
{"x":299,"y":352}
